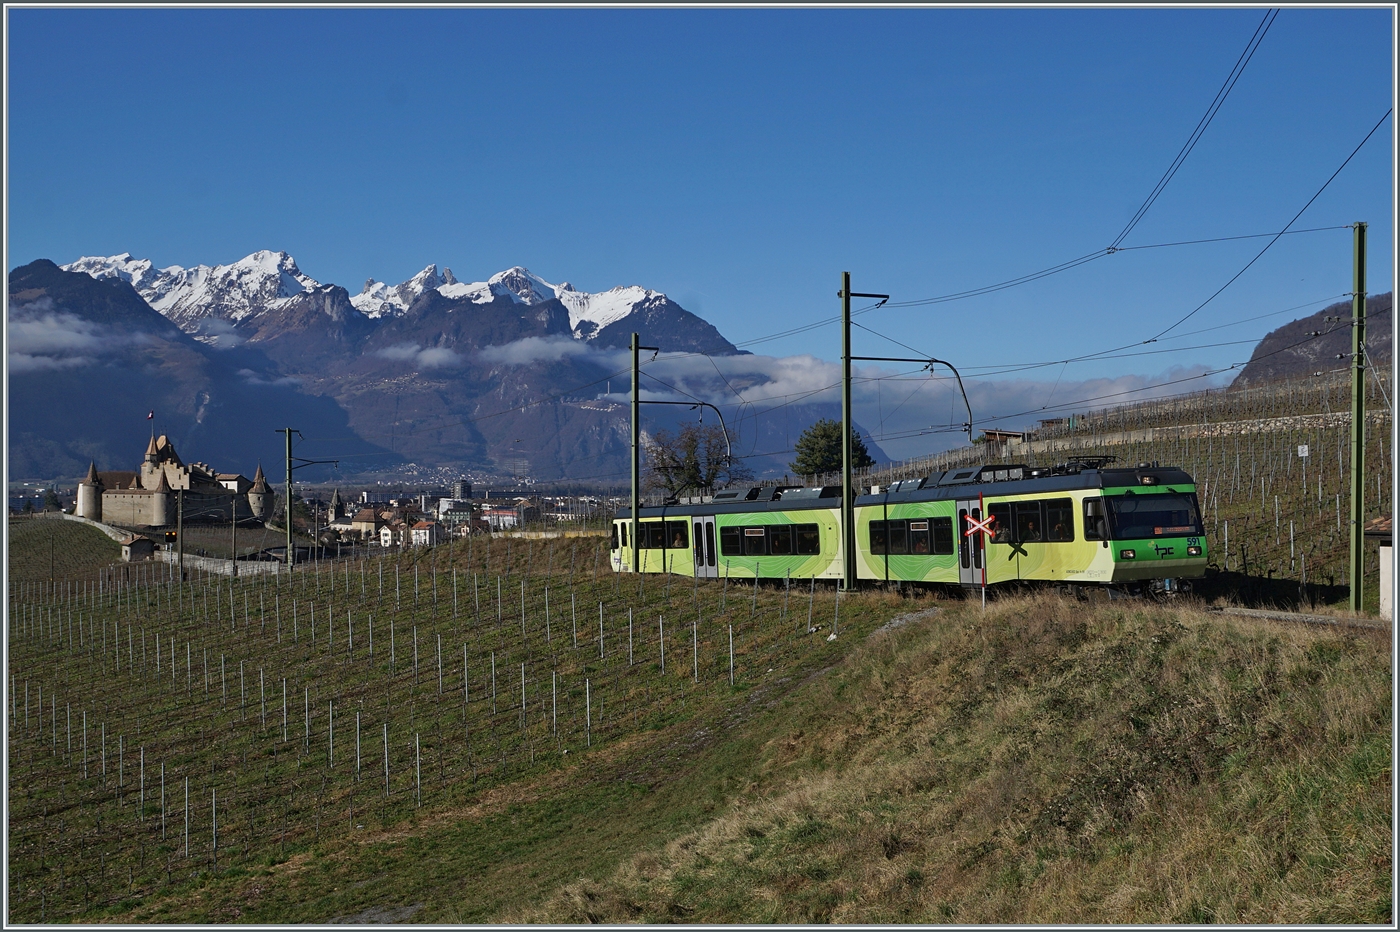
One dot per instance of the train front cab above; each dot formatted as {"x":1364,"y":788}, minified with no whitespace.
{"x":1103,"y":537}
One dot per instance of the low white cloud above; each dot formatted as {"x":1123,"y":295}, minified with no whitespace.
{"x":907,"y":411}
{"x":219,"y":333}
{"x":535,"y":349}
{"x":41,"y":338}
{"x":437,"y":356}
{"x":432,"y":357}
{"x":253,"y":378}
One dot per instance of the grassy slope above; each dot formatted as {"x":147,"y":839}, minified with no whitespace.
{"x":1041,"y":764}
{"x":51,"y":548}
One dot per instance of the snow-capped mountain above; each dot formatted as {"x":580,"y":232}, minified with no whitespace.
{"x":252,"y":285}
{"x":588,"y":313}
{"x":266,"y":281}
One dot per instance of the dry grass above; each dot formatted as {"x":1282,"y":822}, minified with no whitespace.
{"x":1046,"y":763}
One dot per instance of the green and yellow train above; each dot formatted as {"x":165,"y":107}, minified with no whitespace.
{"x":1121,"y":530}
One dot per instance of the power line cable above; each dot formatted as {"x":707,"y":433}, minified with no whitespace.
{"x":1280,"y":233}
{"x":1240,"y":64}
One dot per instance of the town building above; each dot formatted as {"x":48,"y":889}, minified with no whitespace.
{"x":427,"y":534}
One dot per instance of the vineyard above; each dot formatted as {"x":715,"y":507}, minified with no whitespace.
{"x":162,"y":732}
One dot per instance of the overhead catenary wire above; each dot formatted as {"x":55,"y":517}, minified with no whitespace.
{"x":1275,"y":239}
{"x":1230,"y":80}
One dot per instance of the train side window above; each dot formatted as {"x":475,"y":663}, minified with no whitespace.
{"x":731,"y":541}
{"x":1030,"y":523}
{"x":1059,"y":519}
{"x":709,"y":544}
{"x":963,"y":545}
{"x":1002,"y":527}
{"x":654,"y":535}
{"x":780,"y":539}
{"x":755,"y":541}
{"x":918,"y":537}
{"x":879,"y":538}
{"x":942,"y":535}
{"x":614,"y":536}
{"x":624,"y":533}
{"x":699,"y":550}
{"x":809,"y":539}
{"x":899,"y":537}
{"x":1095,"y":527}
{"x":675,"y":535}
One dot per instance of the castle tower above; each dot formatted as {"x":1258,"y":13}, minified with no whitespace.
{"x":152,"y":454}
{"x":162,"y":506}
{"x":90,"y":495}
{"x":260,"y":496}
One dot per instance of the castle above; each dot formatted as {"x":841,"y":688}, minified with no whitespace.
{"x":162,"y":484}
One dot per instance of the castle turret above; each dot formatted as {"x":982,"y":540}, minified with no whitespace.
{"x":90,"y":495}
{"x":152,"y":454}
{"x":260,"y":496}
{"x":162,"y":507}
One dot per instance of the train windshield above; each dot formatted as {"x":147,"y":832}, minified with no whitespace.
{"x":1170,"y":514}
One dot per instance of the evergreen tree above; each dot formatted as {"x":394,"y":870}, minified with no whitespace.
{"x":819,"y":450}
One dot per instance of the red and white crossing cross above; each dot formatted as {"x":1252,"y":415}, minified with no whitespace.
{"x":984,"y":526}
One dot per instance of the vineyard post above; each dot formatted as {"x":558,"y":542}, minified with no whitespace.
{"x":357,"y":744}
{"x":588,"y":713}
{"x":731,"y":654}
{"x":187,"y":817}
{"x":386,"y":760}
{"x":417,"y":771}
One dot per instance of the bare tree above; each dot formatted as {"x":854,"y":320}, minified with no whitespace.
{"x":693,"y":458}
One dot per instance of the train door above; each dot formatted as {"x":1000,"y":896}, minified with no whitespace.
{"x":970,"y":546}
{"x":706,"y":558}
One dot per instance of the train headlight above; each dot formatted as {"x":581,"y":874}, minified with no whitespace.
{"x":1193,"y":551}
{"x":1127,"y":554}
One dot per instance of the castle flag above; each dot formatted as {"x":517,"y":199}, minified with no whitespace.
{"x":150,"y":415}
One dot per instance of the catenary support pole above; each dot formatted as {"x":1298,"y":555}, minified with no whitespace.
{"x":848,"y":550}
{"x":1358,"y":412}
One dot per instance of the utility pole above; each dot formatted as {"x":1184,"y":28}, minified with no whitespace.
{"x":291,"y":554}
{"x":636,"y":449}
{"x":180,"y":530}
{"x":1358,"y":410}
{"x":848,"y":499}
{"x":233,"y":533}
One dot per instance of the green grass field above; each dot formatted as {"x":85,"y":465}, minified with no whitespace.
{"x":1039,"y":762}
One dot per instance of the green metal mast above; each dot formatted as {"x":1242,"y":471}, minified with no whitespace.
{"x":1358,"y":411}
{"x":636,"y":454}
{"x":848,"y":512}
{"x":291,"y":554}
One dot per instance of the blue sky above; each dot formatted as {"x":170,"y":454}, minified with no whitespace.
{"x":738,"y":160}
